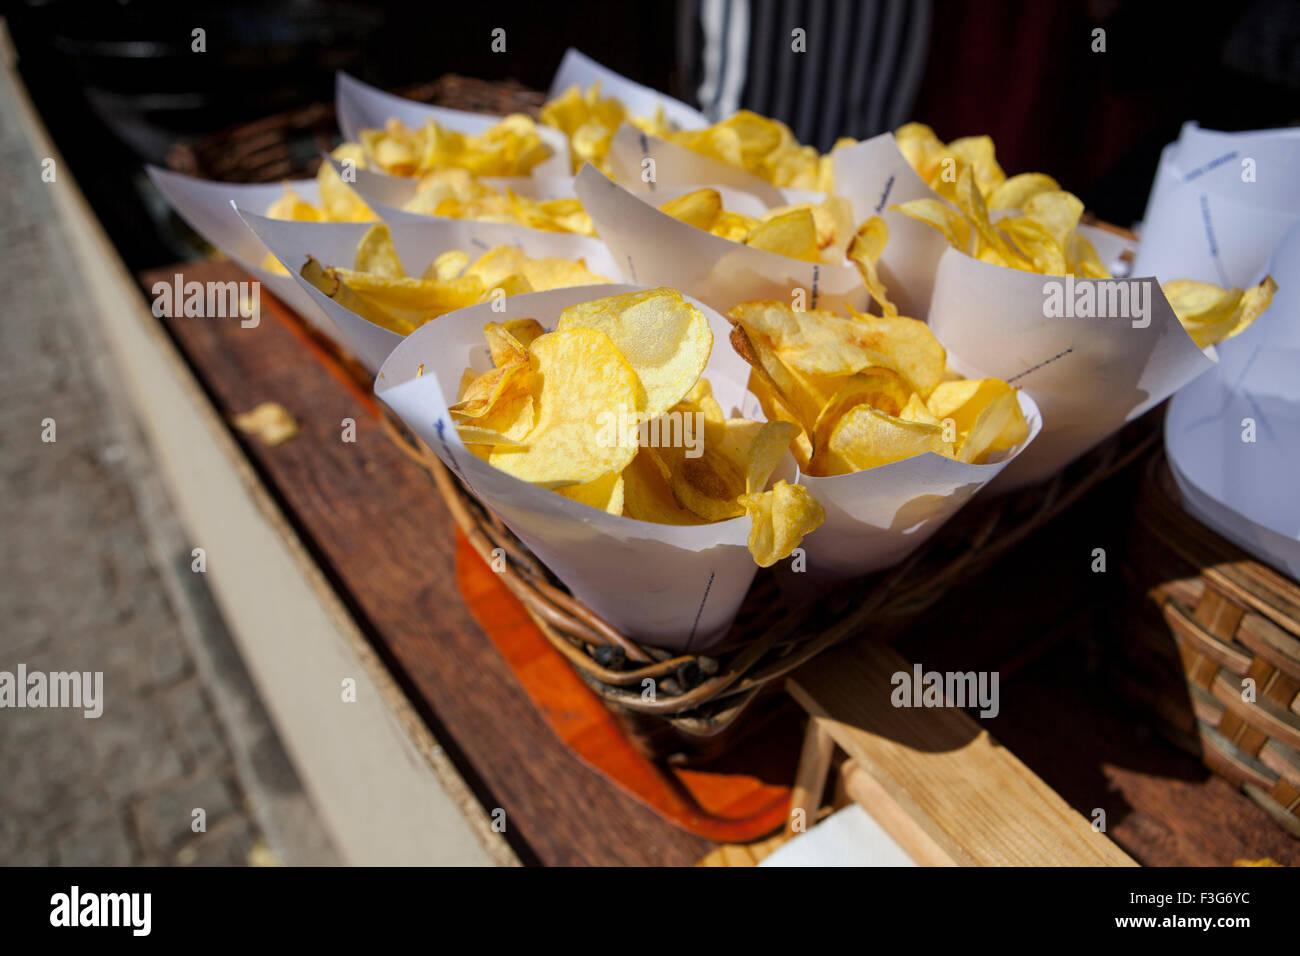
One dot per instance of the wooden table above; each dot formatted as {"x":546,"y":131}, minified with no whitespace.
{"x":380,"y":533}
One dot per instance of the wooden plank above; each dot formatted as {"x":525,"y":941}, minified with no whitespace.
{"x":810,"y":778}
{"x":971,"y":797}
{"x":379,"y":531}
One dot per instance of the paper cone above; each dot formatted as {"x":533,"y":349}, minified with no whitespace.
{"x":578,"y":69}
{"x":655,"y":248}
{"x":209,"y":209}
{"x":361,"y":106}
{"x":674,"y":587}
{"x":1088,"y":375}
{"x":876,"y":518}
{"x":418,"y":241}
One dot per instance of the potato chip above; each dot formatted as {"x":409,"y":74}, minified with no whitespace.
{"x":865,"y":438}
{"x":880,"y":388}
{"x":665,"y":338}
{"x":605,"y":493}
{"x":593,"y":389}
{"x":779,"y":519}
{"x":1210,"y":314}
{"x":647,"y":495}
{"x":376,"y":254}
{"x":792,"y":234}
{"x":864,"y":250}
{"x":966,"y":403}
{"x":700,"y":208}
{"x":448,"y":265}
{"x":331,"y":284}
{"x":1014,"y":192}
{"x":762,"y":146}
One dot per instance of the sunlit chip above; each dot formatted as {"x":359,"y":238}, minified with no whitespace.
{"x":1211,"y":314}
{"x":792,"y":234}
{"x":866,"y":438}
{"x":665,"y":338}
{"x":589,"y":392}
{"x":779,"y":519}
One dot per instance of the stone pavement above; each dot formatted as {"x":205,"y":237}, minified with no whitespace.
{"x":95,"y":576}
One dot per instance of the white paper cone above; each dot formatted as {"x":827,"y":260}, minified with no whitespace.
{"x":876,"y":518}
{"x":418,"y":241}
{"x":207,"y":207}
{"x":578,"y":69}
{"x":675,"y":587}
{"x":361,"y":106}
{"x":874,"y":175}
{"x":674,"y":165}
{"x":1243,"y":490}
{"x":1088,"y":375}
{"x":1210,"y":227}
{"x":654,"y":248}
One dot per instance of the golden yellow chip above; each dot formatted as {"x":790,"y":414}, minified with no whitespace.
{"x":647,"y":495}
{"x":606,"y":493}
{"x":377,"y":255}
{"x":665,"y":338}
{"x":865,"y":438}
{"x":792,"y":234}
{"x":779,"y":519}
{"x":1211,"y":314}
{"x":589,"y":395}
{"x":700,"y":208}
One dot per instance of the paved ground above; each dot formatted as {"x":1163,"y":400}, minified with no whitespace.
{"x":95,"y":576}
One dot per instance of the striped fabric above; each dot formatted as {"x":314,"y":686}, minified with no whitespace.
{"x":858,"y":76}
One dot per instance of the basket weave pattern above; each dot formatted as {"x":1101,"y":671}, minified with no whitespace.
{"x":1234,"y":624}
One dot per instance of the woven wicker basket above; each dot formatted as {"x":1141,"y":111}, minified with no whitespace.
{"x":1209,"y":618}
{"x":700,"y":699}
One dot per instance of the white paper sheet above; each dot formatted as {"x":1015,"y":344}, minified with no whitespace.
{"x":653,"y":247}
{"x":418,"y":241}
{"x":848,"y":837}
{"x":581,"y":70}
{"x":1207,"y":224}
{"x":361,"y":106}
{"x":1088,"y":375}
{"x":1247,"y":490}
{"x":676,"y":587}
{"x":207,"y":206}
{"x":874,"y":176}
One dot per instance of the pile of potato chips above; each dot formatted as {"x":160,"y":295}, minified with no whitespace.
{"x":590,"y":121}
{"x":511,"y":147}
{"x":378,"y":289}
{"x":339,"y":203}
{"x":611,"y":410}
{"x":456,"y":194}
{"x":865,"y":390}
{"x":765,"y":147}
{"x":813,"y":232}
{"x":1044,"y":237}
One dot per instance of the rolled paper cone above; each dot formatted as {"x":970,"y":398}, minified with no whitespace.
{"x":361,"y":106}
{"x":677,"y":587}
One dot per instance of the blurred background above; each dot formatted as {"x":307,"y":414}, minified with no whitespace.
{"x":118,"y":84}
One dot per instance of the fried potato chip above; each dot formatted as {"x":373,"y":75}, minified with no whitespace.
{"x":647,"y":495}
{"x":864,"y":250}
{"x":665,"y":338}
{"x":779,"y":519}
{"x":605,"y":493}
{"x":765,"y":147}
{"x":980,"y":433}
{"x":880,"y":388}
{"x":700,"y":208}
{"x":865,"y":438}
{"x":449,"y":265}
{"x":954,"y":226}
{"x":1211,"y":314}
{"x":792,"y":234}
{"x":1014,"y":192}
{"x":592,"y":389}
{"x":329,"y":282}
{"x":292,"y":206}
{"x":376,"y":254}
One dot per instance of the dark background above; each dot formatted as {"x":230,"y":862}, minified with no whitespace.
{"x":117,"y":83}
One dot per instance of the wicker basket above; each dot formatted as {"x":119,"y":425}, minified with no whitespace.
{"x":1209,"y":617}
{"x":700,"y":699}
